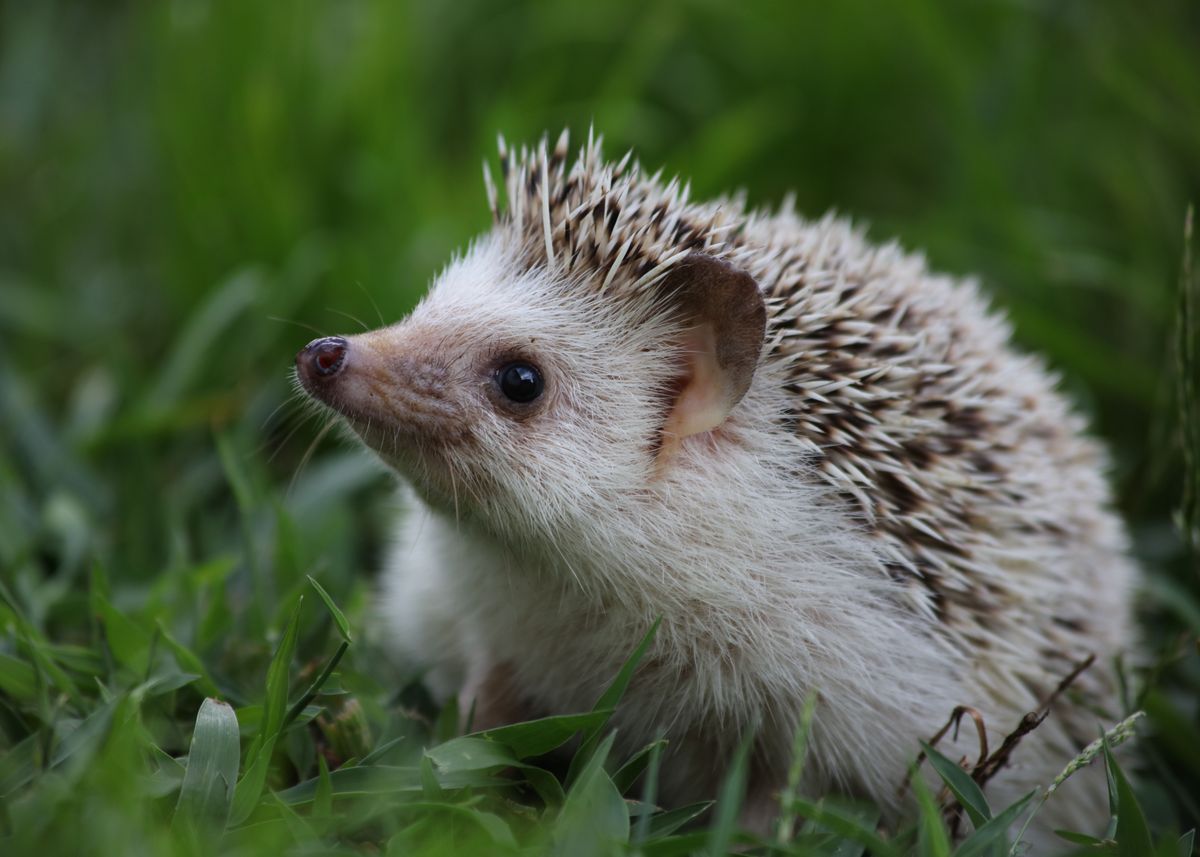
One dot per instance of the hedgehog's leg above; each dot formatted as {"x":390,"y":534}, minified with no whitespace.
{"x":760,"y":809}
{"x":490,"y":699}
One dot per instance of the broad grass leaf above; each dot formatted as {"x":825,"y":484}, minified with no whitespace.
{"x":594,"y":819}
{"x":537,"y":737}
{"x":471,"y":754}
{"x":665,"y":823}
{"x":627,"y":775}
{"x":965,"y":789}
{"x":167,"y":776}
{"x":206,"y":794}
{"x":994,"y":831}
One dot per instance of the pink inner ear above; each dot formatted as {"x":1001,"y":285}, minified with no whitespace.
{"x":703,"y":401}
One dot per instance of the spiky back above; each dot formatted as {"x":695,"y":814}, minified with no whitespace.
{"x":955,"y":452}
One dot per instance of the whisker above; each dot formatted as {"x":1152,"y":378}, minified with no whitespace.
{"x":353,"y":318}
{"x":378,"y":312}
{"x":305,"y":325}
{"x":276,"y":410}
{"x":312,"y":447}
{"x":286,"y":438}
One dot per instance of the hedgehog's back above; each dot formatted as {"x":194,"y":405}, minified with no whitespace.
{"x":958,"y":451}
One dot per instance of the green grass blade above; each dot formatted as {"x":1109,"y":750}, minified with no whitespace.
{"x":666,"y":823}
{"x":994,"y":832}
{"x":932,"y":838}
{"x":87,"y":735}
{"x":609,"y":700}
{"x":627,"y":775}
{"x":1187,"y":844}
{"x":249,"y":789}
{"x":313,"y":689}
{"x":1132,"y":833}
{"x":837,"y":820}
{"x":258,"y":760}
{"x":535,"y":737}
{"x":965,"y":789}
{"x":277,"y":676}
{"x":339,"y":618}
{"x":729,"y":801}
{"x":594,"y":820}
{"x":206,"y":794}
{"x":642,"y":829}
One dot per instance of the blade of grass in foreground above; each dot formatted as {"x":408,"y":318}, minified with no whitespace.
{"x":249,"y":789}
{"x":207,"y":791}
{"x":595,"y":818}
{"x":729,"y":802}
{"x":608,"y":702}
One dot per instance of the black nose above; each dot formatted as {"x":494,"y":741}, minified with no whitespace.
{"x":323,"y":356}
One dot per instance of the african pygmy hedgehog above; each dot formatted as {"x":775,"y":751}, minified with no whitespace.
{"x":822,"y":465}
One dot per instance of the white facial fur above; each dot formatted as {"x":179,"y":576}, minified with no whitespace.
{"x":518,"y":470}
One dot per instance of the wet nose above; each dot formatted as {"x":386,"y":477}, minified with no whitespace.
{"x":324,"y":356}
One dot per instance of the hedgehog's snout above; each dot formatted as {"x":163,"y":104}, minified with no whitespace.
{"x":322,"y":358}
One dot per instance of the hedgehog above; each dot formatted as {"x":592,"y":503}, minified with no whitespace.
{"x":823,"y":468}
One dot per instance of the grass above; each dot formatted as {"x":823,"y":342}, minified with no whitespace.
{"x":190,"y":189}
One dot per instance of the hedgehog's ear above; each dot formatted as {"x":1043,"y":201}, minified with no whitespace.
{"x":726,"y":320}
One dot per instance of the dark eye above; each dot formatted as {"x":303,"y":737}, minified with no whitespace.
{"x":520,"y":382}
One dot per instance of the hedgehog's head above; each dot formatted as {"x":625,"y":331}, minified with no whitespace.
{"x":512,"y":392}
{"x":564,"y":363}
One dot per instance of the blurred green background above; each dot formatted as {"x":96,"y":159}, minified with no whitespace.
{"x":191,"y":190}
